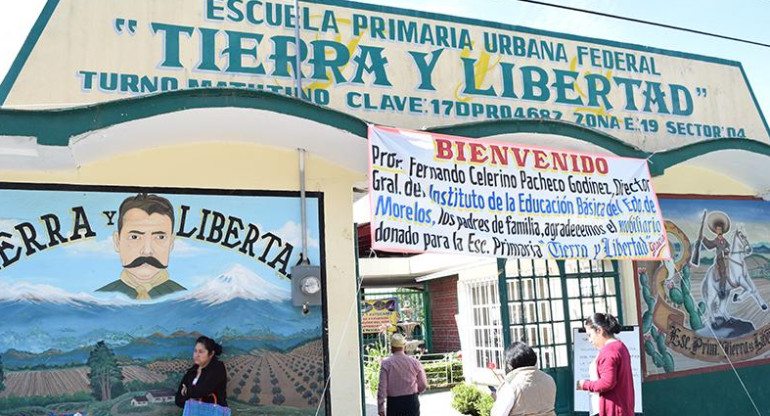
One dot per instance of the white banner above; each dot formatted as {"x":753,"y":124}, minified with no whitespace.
{"x":436,"y":193}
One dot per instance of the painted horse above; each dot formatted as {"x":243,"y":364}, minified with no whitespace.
{"x":737,"y":278}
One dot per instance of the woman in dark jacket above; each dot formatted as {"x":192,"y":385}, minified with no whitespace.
{"x":206,"y":381}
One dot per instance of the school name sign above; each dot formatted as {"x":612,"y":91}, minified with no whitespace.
{"x":388,"y":66}
{"x":436,"y":193}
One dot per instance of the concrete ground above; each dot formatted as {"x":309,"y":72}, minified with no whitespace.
{"x":436,"y":402}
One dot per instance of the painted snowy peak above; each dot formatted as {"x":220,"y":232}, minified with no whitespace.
{"x":237,"y":283}
{"x":34,"y":293}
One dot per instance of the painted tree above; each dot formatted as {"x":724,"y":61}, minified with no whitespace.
{"x":105,"y":374}
{"x":2,"y":375}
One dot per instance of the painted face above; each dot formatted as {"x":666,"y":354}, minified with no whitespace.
{"x":719,"y":229}
{"x":594,"y":336}
{"x":201,"y":356}
{"x":144,"y":243}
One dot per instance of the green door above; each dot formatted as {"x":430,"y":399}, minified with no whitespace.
{"x":546,"y":299}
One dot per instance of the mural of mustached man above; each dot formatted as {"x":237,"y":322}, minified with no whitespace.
{"x":104,"y":290}
{"x":144,"y":240}
{"x":707,"y":306}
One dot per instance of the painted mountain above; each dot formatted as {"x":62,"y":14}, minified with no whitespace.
{"x":69,"y":324}
{"x":761,"y":248}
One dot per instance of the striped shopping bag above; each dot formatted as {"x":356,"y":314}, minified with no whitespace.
{"x":198,"y":408}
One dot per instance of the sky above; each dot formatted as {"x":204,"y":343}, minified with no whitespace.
{"x":746,"y":19}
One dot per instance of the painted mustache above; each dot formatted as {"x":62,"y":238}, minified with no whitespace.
{"x":139,"y":261}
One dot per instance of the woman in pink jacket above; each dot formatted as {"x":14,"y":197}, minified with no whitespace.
{"x":615,"y":383}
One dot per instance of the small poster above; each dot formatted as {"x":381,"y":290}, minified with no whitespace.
{"x":379,"y":315}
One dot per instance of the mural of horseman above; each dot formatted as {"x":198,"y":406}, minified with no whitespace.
{"x":729,"y":272}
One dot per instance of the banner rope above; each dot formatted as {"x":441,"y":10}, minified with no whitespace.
{"x":333,"y":364}
{"x":729,"y":361}
{"x":735,"y":370}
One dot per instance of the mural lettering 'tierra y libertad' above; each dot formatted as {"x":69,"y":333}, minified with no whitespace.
{"x":214,"y":227}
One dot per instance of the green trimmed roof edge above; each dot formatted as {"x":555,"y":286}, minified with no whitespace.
{"x":55,"y":127}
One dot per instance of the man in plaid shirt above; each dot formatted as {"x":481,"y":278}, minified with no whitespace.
{"x":402,"y":378}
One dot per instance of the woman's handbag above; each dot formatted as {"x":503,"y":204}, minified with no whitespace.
{"x":198,"y":408}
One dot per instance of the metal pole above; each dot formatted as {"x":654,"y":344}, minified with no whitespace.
{"x":502,"y":287}
{"x":302,"y":204}
{"x":298,"y":78}
{"x":297,"y":58}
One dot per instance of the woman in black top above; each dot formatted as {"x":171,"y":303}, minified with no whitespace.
{"x":207,"y":378}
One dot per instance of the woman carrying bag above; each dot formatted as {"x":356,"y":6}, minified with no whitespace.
{"x":203,"y":389}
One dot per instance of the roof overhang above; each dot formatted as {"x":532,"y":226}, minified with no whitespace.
{"x":61,"y":139}
{"x":413,"y":270}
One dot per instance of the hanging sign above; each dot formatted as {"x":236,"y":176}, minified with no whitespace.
{"x":436,"y":193}
{"x":379,"y":315}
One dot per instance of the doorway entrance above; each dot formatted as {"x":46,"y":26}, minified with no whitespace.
{"x":544,"y":300}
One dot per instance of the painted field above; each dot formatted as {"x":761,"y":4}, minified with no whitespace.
{"x":66,"y":381}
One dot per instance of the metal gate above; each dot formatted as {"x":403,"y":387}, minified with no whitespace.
{"x":547,"y":298}
{"x":412,"y":304}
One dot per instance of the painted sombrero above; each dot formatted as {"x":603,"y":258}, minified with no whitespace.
{"x":718,"y":218}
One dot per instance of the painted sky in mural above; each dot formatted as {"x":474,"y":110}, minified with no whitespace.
{"x":708,"y":305}
{"x":69,"y":282}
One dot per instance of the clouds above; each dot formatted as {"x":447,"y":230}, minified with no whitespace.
{"x":105,"y":247}
{"x":6,"y":226}
{"x":184,"y":248}
{"x":91,"y":247}
{"x":292,"y":232}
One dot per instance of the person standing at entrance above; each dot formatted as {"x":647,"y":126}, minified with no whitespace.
{"x":402,"y":379}
{"x":615,"y":383}
{"x":527,"y":391}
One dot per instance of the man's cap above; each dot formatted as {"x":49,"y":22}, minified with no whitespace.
{"x":398,"y":341}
